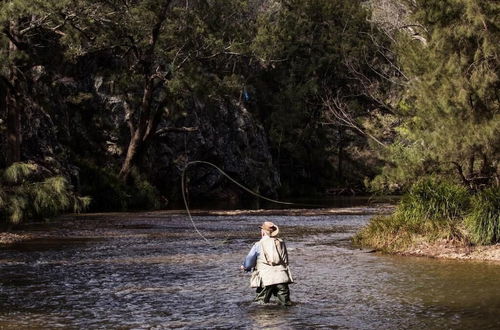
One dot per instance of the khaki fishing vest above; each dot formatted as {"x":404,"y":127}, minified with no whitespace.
{"x":272,"y":263}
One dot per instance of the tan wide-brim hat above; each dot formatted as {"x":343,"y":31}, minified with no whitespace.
{"x":271,"y":228}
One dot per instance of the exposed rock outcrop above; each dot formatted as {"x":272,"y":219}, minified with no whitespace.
{"x":81,"y":119}
{"x":227,"y":135}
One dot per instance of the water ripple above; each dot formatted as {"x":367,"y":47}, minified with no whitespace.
{"x":153,"y":272}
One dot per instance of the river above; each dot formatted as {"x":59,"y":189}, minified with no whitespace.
{"x":152,"y":271}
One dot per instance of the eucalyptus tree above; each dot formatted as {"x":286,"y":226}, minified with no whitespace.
{"x":161,"y":51}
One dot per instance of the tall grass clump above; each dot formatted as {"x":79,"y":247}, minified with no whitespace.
{"x":434,"y":201}
{"x":483,"y":220}
{"x":386,"y":233}
{"x":25,"y":193}
{"x":432,"y":208}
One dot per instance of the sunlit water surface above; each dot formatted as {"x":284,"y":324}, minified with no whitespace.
{"x":155,"y":272}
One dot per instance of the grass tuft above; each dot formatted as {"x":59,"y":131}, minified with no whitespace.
{"x":434,"y":201}
{"x":483,"y":220}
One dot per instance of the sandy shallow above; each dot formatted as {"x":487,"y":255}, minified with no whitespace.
{"x":92,"y":225}
{"x":448,"y":249}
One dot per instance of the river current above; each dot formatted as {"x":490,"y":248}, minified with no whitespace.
{"x":153,"y":271}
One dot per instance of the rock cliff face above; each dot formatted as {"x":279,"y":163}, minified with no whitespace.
{"x":225,"y":134}
{"x":81,"y":120}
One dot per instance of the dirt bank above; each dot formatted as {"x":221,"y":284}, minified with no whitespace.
{"x":449,"y":249}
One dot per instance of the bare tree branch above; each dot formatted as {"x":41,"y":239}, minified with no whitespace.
{"x":166,"y":130}
{"x":338,"y":109}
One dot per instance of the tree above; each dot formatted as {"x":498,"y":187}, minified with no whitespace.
{"x":319,"y":82}
{"x":450,"y":111}
{"x":161,"y":50}
{"x":26,"y":34}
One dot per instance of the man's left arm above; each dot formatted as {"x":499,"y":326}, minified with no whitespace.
{"x":251,"y":259}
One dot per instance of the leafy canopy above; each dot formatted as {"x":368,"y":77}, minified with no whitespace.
{"x":451,"y":109}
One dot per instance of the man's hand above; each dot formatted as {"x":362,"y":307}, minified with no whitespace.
{"x":242,"y":268}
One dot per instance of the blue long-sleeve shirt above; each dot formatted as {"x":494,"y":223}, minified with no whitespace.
{"x":251,"y":259}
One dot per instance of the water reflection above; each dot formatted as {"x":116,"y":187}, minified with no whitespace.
{"x":152,"y":271}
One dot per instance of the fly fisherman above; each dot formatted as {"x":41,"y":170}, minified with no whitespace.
{"x":269,"y":260}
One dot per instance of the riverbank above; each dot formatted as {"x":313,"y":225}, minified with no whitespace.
{"x":438,"y":219}
{"x":450,"y":249}
{"x":389,"y":234}
{"x":442,"y":249}
{"x":93,"y":226}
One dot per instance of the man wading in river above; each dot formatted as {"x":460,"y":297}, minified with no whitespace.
{"x":269,"y":260}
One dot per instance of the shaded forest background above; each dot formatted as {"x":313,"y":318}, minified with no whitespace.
{"x":103,"y":103}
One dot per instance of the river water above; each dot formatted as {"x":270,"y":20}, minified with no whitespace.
{"x":152,"y":271}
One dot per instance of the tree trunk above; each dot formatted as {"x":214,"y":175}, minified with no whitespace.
{"x":142,"y":135}
{"x":13,"y":118}
{"x":472,"y":160}
{"x":460,"y":172}
{"x":148,"y":120}
{"x":3,"y":108}
{"x":485,"y":168}
{"x":133,"y":151}
{"x":340,"y":172}
{"x":13,"y":130}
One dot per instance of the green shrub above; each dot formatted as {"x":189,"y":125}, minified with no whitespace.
{"x":109,"y":193}
{"x":483,"y":220}
{"x":25,"y":194}
{"x":386,"y":233}
{"x":144,"y":195}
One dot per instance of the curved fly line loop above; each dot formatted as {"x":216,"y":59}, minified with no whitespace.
{"x":183,"y":187}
